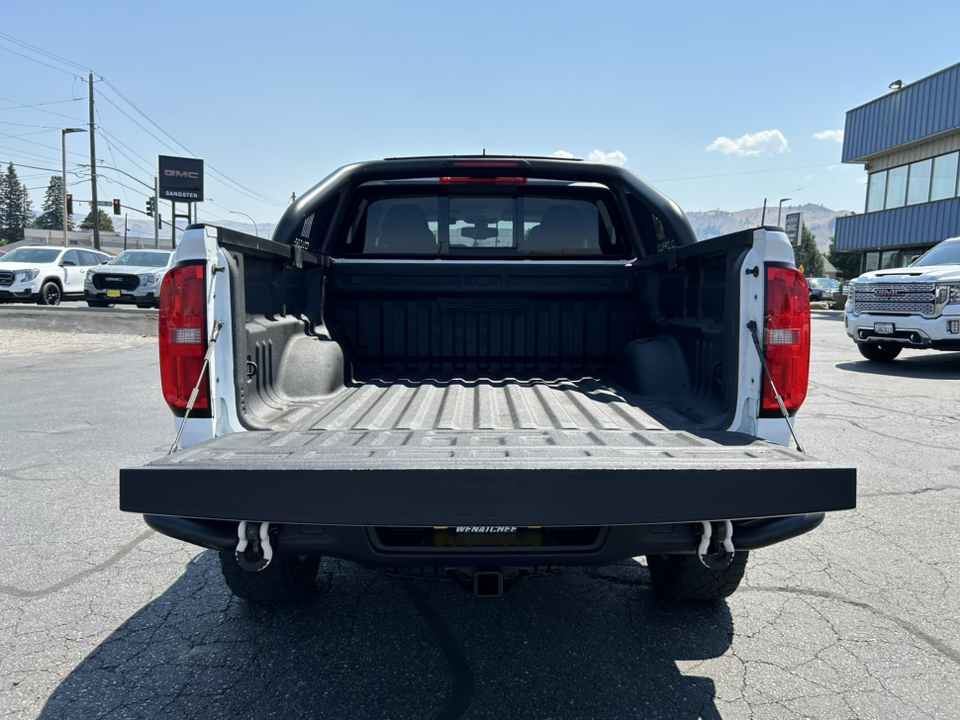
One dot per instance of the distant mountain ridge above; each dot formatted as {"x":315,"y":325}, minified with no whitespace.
{"x":821,"y":221}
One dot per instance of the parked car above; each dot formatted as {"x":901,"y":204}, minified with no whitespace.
{"x":916,"y":307}
{"x":132,"y":277}
{"x":46,"y":275}
{"x":823,"y":289}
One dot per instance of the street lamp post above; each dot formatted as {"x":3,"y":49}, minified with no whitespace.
{"x":255,"y":231}
{"x":780,"y":209}
{"x":63,"y":147}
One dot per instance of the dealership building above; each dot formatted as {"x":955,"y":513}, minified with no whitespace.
{"x":909,"y":143}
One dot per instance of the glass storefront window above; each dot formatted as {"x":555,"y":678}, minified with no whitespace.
{"x":896,"y":187}
{"x":873,"y":262}
{"x":918,"y":186}
{"x":944,"y":177}
{"x":876,"y":189}
{"x":890,"y":259}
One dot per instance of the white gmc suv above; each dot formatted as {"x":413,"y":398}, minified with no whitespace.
{"x":46,"y":275}
{"x":915,"y":307}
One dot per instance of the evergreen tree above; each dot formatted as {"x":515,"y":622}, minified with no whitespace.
{"x":847,"y":264}
{"x":106,"y":224}
{"x":808,"y":256}
{"x":14,"y":207}
{"x":51,"y":212}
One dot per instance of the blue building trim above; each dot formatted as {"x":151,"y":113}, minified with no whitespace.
{"x":924,"y":224}
{"x":920,"y":110}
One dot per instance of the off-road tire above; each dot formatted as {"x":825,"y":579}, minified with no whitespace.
{"x":684,"y":577}
{"x":50,"y":294}
{"x":878,"y":353}
{"x":287,"y":577}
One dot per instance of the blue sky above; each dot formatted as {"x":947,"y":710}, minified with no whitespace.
{"x":717,"y":104}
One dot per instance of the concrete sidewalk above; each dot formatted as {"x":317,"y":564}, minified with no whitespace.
{"x":79,"y":319}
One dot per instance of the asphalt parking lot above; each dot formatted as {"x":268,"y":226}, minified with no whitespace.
{"x":102,"y":618}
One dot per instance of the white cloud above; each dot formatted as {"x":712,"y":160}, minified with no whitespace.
{"x":765,"y":142}
{"x":611,"y":158}
{"x":562,"y":154}
{"x":862,"y":180}
{"x":830,"y":135}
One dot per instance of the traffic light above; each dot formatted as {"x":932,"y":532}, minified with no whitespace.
{"x":160,"y":221}
{"x":150,"y":207}
{"x":69,"y":204}
{"x":116,"y":207}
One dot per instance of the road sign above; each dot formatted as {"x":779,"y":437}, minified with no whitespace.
{"x":105,"y":203}
{"x":794,"y":227}
{"x":181,"y":179}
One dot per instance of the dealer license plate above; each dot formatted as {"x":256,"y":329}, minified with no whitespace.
{"x":113,"y":293}
{"x":883,"y":328}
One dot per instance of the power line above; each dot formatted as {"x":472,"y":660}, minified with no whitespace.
{"x":38,"y":107}
{"x":48,"y":127}
{"x":256,"y":195}
{"x":34,"y":142}
{"x":41,"y":51}
{"x":52,"y":67}
{"x":117,"y":140}
{"x":228,"y":181}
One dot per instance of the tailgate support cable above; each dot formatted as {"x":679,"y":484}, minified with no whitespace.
{"x":752,"y":326}
{"x":217,"y":326}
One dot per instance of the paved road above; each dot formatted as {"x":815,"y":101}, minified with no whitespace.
{"x":100,"y":617}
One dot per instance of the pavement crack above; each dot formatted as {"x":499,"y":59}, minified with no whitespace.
{"x":920,"y":491}
{"x":463,"y":682}
{"x":936,"y":643}
{"x":77,"y":577}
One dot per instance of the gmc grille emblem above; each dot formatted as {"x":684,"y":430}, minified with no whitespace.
{"x":889,"y":293}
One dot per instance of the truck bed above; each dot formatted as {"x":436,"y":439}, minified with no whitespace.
{"x":507,"y":451}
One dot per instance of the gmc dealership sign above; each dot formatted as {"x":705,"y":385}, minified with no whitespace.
{"x":181,"y":179}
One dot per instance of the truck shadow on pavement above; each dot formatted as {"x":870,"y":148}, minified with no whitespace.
{"x":587,"y":643}
{"x":933,"y":365}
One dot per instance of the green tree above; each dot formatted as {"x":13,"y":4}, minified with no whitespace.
{"x":105,"y":222}
{"x":15,"y":207}
{"x":808,"y":256}
{"x":51,"y":212}
{"x":847,"y":264}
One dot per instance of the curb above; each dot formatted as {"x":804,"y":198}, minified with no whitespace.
{"x":80,"y":320}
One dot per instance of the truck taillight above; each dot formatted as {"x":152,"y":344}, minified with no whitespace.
{"x":181,"y":333}
{"x":786,"y":339}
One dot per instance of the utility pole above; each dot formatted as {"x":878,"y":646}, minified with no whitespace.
{"x":156,"y":217}
{"x":93,"y":173}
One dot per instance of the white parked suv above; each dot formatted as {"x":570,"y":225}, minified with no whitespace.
{"x":916,"y":306}
{"x":132,"y":277}
{"x":46,"y":275}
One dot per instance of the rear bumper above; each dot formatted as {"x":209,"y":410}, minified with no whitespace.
{"x":361,"y":544}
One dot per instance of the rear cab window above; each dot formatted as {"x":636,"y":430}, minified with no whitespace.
{"x":526,"y":220}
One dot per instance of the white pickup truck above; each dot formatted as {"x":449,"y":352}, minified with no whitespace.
{"x":917,"y":306}
{"x":487,"y":367}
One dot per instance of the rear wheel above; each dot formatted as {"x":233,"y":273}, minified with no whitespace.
{"x":50,"y":294}
{"x":287,"y":577}
{"x":878,"y":353}
{"x":684,"y":577}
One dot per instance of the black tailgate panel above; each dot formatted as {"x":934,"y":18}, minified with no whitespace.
{"x":486,"y":477}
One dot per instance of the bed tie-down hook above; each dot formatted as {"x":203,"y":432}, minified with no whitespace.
{"x":723,"y":553}
{"x":254,"y":551}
